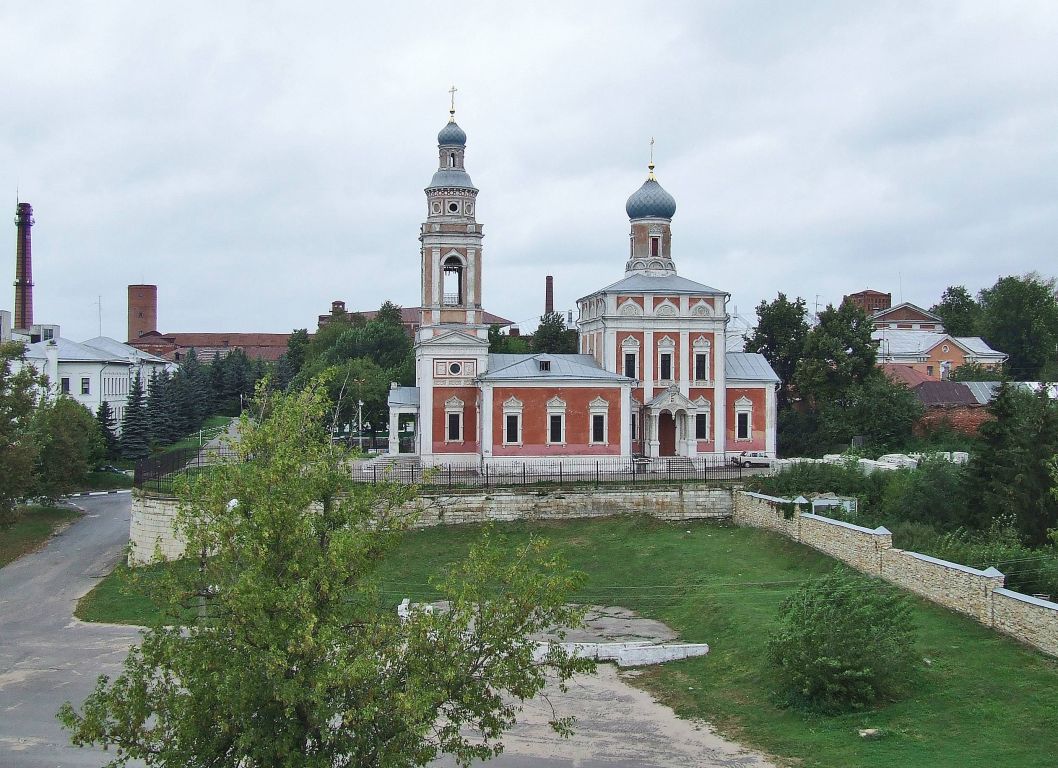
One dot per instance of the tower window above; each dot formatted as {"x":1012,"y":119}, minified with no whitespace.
{"x":453,"y":207}
{"x":453,"y":282}
{"x":655,"y":245}
{"x":452,"y":160}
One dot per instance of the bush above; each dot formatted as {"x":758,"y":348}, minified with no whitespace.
{"x":844,"y":643}
{"x":843,"y":479}
{"x":934,"y":494}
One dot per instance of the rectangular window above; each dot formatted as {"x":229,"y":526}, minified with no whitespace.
{"x":929,"y":370}
{"x":598,"y":428}
{"x":743,"y":426}
{"x":64,"y":385}
{"x":455,"y":427}
{"x":701,"y":366}
{"x":666,"y":367}
{"x":85,"y":385}
{"x":512,"y":428}
{"x":555,"y":428}
{"x":635,"y":426}
{"x":630,"y":365}
{"x":655,"y":245}
{"x":701,"y":426}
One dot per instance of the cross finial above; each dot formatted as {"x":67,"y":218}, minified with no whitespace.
{"x":452,"y":109}
{"x":651,"y":165}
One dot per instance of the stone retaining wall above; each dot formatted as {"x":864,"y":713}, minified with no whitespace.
{"x":978,"y":594}
{"x":152,"y":517}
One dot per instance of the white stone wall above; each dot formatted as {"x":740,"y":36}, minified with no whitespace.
{"x":976,"y":593}
{"x":152,"y":517}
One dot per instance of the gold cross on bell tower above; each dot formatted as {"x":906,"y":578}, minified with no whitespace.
{"x":452,"y":109}
{"x":651,"y":165}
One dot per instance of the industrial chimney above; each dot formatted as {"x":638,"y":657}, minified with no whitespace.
{"x":24,"y":268}
{"x":143,"y":310}
{"x":549,"y":295}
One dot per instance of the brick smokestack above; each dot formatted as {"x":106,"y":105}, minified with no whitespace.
{"x":143,"y":310}
{"x":549,"y":295}
{"x":24,"y":267}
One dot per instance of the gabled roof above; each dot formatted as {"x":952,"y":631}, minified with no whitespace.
{"x":749,"y":366}
{"x":909,"y":308}
{"x":903,"y":342}
{"x":664,"y":284}
{"x":904,"y":374}
{"x":72,"y":352}
{"x":110,"y":346}
{"x":504,"y":367}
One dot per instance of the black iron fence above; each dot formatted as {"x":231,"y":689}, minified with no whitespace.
{"x":567,"y":473}
{"x":159,"y":474}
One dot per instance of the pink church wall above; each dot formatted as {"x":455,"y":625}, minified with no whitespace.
{"x":578,"y":421}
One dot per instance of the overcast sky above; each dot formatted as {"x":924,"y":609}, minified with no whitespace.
{"x":258,"y":160}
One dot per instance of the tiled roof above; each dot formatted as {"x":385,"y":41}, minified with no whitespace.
{"x":904,"y":374}
{"x":664,"y":284}
{"x":563,"y":367}
{"x":749,"y":366}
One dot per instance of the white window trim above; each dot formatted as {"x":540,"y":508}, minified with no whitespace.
{"x":454,"y":405}
{"x":702,"y":346}
{"x":666,"y":346}
{"x":599,"y":407}
{"x":630,"y":346}
{"x":705,"y":408}
{"x":556,"y":406}
{"x":744,"y":405}
{"x":512,"y":406}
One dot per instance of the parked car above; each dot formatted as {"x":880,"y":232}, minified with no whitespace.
{"x":752,"y":459}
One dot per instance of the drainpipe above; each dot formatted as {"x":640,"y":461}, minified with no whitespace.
{"x":51,"y":354}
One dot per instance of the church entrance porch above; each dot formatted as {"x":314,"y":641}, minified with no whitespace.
{"x":669,"y":425}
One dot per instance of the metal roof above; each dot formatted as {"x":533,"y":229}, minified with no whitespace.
{"x":452,"y":135}
{"x":71,"y":351}
{"x":904,"y":342}
{"x":563,"y":367}
{"x":111,"y":346}
{"x":451,"y":177}
{"x":404,"y":396}
{"x":749,"y":366}
{"x":983,"y":391}
{"x":650,"y":200}
{"x":664,"y":284}
{"x":945,"y":393}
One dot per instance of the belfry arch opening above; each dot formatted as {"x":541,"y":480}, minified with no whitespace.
{"x":453,"y":275}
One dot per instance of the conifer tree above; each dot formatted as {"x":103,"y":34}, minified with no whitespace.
{"x":108,"y":430}
{"x":159,"y":408}
{"x":135,"y":430}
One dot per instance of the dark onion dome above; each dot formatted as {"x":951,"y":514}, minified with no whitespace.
{"x":452,"y":135}
{"x":650,"y":201}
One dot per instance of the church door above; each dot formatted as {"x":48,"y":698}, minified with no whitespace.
{"x":666,"y":435}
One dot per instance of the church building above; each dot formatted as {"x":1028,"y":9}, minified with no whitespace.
{"x":653,"y":377}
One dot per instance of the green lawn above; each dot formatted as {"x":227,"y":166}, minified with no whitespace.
{"x":982,"y":699}
{"x":34,"y":528}
{"x":105,"y":481}
{"x":211,"y":427}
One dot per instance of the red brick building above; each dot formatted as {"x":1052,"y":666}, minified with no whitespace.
{"x":871,"y":301}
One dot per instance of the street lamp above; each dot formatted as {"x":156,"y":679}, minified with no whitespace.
{"x":360,"y":424}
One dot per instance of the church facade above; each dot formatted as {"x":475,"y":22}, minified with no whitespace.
{"x":652,"y":378}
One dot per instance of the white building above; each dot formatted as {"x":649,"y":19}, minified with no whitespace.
{"x":100,"y":369}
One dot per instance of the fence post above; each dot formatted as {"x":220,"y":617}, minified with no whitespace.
{"x":523,"y":473}
{"x":486,"y":475}
{"x":633,"y":471}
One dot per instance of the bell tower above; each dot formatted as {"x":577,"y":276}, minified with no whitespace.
{"x":451,"y":239}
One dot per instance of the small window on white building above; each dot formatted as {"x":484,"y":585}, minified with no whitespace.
{"x":743,"y":419}
{"x":64,"y":385}
{"x":86,"y":385}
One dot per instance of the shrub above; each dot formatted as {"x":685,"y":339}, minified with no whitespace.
{"x":933,"y":494}
{"x":844,"y":643}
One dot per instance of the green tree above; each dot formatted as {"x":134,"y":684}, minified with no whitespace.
{"x":135,"y":428}
{"x":18,"y":451}
{"x":958,"y":310}
{"x":1019,"y":316}
{"x":552,"y":336}
{"x":780,"y":335}
{"x":297,"y":656}
{"x":108,"y":430}
{"x":160,"y":410}
{"x":976,"y":372}
{"x":883,"y":412}
{"x":70,"y":446}
{"x":844,"y":643}
{"x":838,"y":352}
{"x":1010,"y":472}
{"x":501,"y":343}
{"x":290,"y":362}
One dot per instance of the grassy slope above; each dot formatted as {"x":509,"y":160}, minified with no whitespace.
{"x":211,"y":427}
{"x":33,"y":529}
{"x":984,"y":700}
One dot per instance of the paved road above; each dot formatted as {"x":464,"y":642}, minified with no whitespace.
{"x":47,"y":656}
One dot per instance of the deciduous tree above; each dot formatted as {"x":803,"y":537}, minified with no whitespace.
{"x":958,"y":310}
{"x":70,"y":446}
{"x":1019,"y":316}
{"x":780,"y":335}
{"x":18,"y":451}
{"x":838,"y":352}
{"x":553,"y":336}
{"x":298,"y":657}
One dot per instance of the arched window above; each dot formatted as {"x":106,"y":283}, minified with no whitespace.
{"x":453,"y":281}
{"x":451,"y":159}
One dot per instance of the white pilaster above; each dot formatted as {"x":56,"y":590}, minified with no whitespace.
{"x":486,"y":420}
{"x":624,"y":413}
{"x":771,"y":423}
{"x":685,"y":372}
{"x":648,"y":365}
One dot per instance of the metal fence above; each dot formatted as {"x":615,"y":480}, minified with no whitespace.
{"x":557,"y":473}
{"x":159,"y":474}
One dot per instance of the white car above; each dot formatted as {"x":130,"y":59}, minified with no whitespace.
{"x":752,"y":459}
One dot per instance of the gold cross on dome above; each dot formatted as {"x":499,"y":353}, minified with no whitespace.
{"x":452,"y":91}
{"x":651,"y":166}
